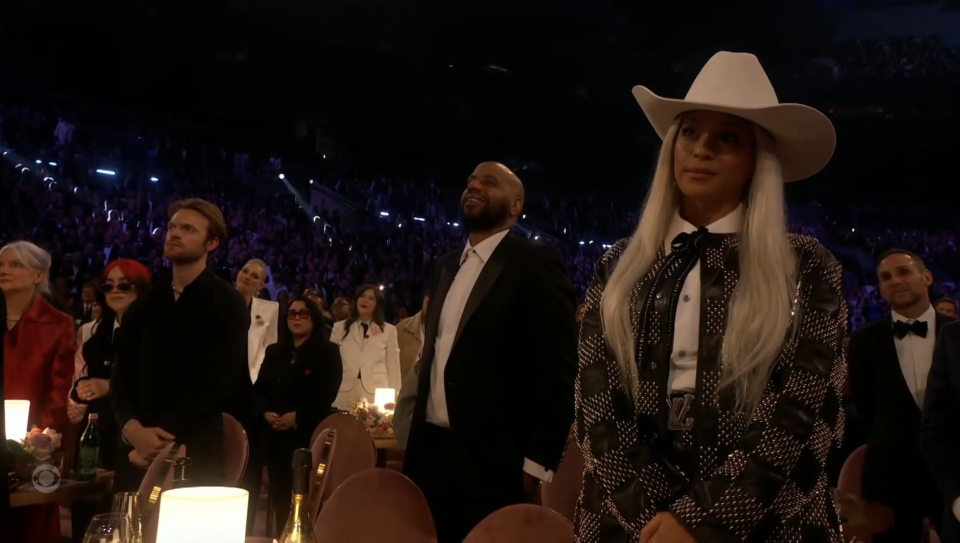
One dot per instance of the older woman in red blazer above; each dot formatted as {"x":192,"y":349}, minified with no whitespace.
{"x":39,"y":346}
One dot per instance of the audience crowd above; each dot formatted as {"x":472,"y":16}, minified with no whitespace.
{"x":89,"y":200}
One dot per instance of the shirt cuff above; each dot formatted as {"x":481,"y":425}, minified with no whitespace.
{"x":539,"y":471}
{"x":956,"y":508}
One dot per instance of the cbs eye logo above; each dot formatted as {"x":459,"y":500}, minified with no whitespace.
{"x":46,"y":478}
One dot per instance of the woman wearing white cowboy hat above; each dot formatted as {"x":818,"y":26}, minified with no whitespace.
{"x":711,"y":366}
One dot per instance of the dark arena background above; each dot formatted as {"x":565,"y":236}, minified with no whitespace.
{"x":337,"y":135}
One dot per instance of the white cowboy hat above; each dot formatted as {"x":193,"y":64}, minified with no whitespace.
{"x":735,"y":83}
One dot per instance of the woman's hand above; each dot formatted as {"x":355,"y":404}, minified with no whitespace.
{"x":271,"y":418}
{"x":287,"y":421}
{"x":92,"y":389}
{"x":664,"y":528}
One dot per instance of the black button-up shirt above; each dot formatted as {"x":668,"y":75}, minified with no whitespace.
{"x":178,"y":360}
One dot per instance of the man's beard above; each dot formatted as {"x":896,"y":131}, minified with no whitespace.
{"x":184,"y":256}
{"x":491,"y":217}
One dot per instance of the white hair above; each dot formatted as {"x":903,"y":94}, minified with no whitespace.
{"x":760,"y":308}
{"x":35,"y":259}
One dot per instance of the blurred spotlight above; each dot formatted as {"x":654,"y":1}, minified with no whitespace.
{"x":54,"y":164}
{"x":418,"y":219}
{"x":282,"y":176}
{"x":384,"y":214}
{"x":107,"y":172}
{"x":154,"y":179}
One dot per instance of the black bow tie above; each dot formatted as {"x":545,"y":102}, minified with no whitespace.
{"x":917,"y":328}
{"x":688,"y":240}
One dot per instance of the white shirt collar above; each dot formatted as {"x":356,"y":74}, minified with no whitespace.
{"x":729,"y":224}
{"x":929,"y":316}
{"x":485,"y":248}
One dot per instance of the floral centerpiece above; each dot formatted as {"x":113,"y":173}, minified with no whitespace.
{"x":38,"y":447}
{"x":379,"y":421}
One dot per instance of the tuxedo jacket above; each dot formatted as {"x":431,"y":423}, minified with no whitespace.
{"x":940,"y":428}
{"x":888,"y":409}
{"x":509,"y":377}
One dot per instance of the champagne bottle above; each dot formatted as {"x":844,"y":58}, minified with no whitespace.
{"x":299,"y":526}
{"x":180,"y":466}
{"x":89,"y":453}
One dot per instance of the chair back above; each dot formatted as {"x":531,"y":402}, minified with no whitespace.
{"x":236,"y":450}
{"x":356,"y":451}
{"x":850,"y":481}
{"x":851,"y":474}
{"x":522,"y":523}
{"x":157,"y":480}
{"x":322,"y":449}
{"x":562,"y":493}
{"x":398,"y":510}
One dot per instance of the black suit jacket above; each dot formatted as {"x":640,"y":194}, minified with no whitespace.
{"x":509,"y":377}
{"x":940,"y":429}
{"x":307,"y":386}
{"x":889,"y":412}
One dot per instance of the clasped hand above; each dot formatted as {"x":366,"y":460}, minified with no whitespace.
{"x":146,"y":442}
{"x":665,"y":528}
{"x":280,"y":423}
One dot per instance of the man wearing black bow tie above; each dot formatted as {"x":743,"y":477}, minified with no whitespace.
{"x":889,"y":361}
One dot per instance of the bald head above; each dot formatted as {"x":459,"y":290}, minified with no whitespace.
{"x":510,"y":179}
{"x":493,"y":199}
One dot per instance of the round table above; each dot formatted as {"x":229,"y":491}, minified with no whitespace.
{"x":68,"y":491}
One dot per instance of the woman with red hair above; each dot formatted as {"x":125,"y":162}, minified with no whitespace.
{"x":123,"y":281}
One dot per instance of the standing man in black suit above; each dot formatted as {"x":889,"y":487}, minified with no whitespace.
{"x":941,"y":421}
{"x":494,"y":399}
{"x":889,"y":362}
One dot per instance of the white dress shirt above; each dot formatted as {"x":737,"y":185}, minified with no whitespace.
{"x":916,"y":353}
{"x":686,"y":330}
{"x":472,"y":261}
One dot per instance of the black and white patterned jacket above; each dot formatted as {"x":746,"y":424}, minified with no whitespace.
{"x":758,"y":482}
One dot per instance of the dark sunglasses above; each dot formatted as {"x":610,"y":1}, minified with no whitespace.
{"x":304,"y":314}
{"x":107,"y":288}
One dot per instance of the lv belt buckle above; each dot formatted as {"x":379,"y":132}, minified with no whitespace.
{"x":678,"y":418}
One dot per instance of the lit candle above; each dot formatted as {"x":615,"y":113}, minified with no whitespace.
{"x":203,"y":514}
{"x":383,"y":396}
{"x":16,"y":416}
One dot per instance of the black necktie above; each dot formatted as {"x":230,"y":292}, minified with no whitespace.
{"x":688,"y":240}
{"x":917,"y":328}
{"x":366,"y":328}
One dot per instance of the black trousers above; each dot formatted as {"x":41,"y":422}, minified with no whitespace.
{"x":253,"y":476}
{"x":459,"y":487}
{"x":279,"y":459}
{"x":921,"y":499}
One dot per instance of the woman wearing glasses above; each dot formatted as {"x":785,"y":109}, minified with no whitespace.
{"x":297,"y":384}
{"x":123,"y":281}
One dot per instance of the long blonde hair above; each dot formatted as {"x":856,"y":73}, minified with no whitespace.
{"x":760,"y":309}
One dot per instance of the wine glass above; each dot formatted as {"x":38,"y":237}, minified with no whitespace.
{"x":107,"y":528}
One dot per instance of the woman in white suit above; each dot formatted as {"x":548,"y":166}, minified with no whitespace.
{"x":368,"y":349}
{"x":264,"y":314}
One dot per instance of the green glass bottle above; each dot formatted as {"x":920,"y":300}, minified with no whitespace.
{"x":89,"y":453}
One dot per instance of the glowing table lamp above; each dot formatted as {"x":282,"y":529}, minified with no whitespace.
{"x":383,"y":396}
{"x":203,"y":514}
{"x":16,"y":415}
